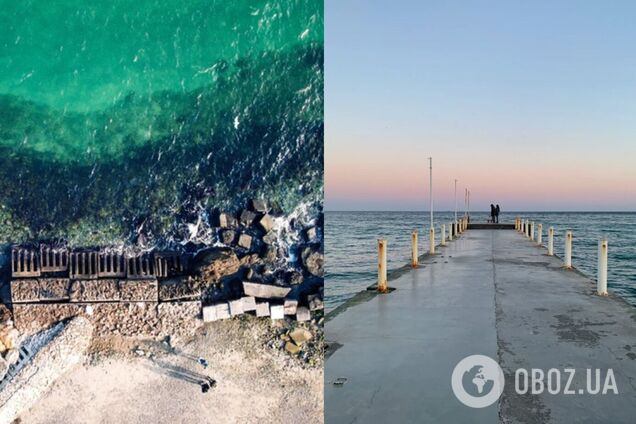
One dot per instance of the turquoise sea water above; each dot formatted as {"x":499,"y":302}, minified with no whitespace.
{"x":351,"y":245}
{"x":136,"y":118}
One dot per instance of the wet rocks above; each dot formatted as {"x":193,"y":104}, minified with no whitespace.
{"x":247,"y":218}
{"x":270,"y":238}
{"x":228,"y":237}
{"x":313,"y":260}
{"x":214,"y":263}
{"x":259,"y":205}
{"x":226,"y":220}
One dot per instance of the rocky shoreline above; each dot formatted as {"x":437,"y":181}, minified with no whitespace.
{"x":255,"y":253}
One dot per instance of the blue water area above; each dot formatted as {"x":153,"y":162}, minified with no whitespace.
{"x":125,"y":119}
{"x":351,"y":245}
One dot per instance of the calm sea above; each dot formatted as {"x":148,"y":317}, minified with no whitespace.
{"x":351,"y":255}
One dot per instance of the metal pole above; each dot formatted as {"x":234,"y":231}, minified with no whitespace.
{"x":469,"y":205}
{"x":432,"y":241}
{"x":455,"y":199}
{"x":430,"y":181}
{"x":443,"y":231}
{"x":539,"y":234}
{"x":551,"y":241}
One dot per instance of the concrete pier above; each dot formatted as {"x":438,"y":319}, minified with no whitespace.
{"x":490,"y":292}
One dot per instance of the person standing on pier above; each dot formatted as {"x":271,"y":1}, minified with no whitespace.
{"x":492,"y":213}
{"x":497,"y":214}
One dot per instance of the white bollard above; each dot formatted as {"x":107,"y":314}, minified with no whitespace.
{"x":539,"y":234}
{"x":382,"y":285}
{"x":601,"y":281}
{"x":443,"y":232}
{"x":414,"y":249}
{"x":551,"y":241}
{"x":568,"y":249}
{"x":532,"y":230}
{"x":450,"y":231}
{"x":431,"y":237}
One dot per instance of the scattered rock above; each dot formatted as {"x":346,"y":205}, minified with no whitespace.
{"x":270,"y":254}
{"x":5,"y":314}
{"x":228,"y":237}
{"x":294,"y":278}
{"x":9,"y":336}
{"x":259,"y":205}
{"x":12,"y":356}
{"x":227,"y":221}
{"x":313,"y":261}
{"x":250,"y":260}
{"x":4,"y":367}
{"x":311,"y":234}
{"x":245,"y":241}
{"x":300,"y":335}
{"x":215,"y":263}
{"x":303,"y":314}
{"x":315,"y":302}
{"x":292,"y":348}
{"x":247,"y":218}
{"x":270,"y":238}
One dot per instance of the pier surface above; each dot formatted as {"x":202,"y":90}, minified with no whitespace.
{"x":494,"y":293}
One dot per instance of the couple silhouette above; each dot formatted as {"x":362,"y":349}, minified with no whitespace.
{"x":494,"y":213}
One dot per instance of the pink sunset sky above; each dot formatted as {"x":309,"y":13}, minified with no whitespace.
{"x":534,"y":109}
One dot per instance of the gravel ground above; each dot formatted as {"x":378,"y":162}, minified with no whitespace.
{"x":135,"y":381}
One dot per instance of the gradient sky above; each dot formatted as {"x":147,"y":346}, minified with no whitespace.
{"x":530,"y":104}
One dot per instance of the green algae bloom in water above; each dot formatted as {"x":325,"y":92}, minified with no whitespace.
{"x":127,"y":117}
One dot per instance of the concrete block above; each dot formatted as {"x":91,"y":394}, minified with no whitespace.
{"x":209,"y":313}
{"x":303,"y":314}
{"x":290,"y":306}
{"x":265,"y":291}
{"x":245,"y":241}
{"x":236,"y":307}
{"x":266,"y":223}
{"x":262,"y":309}
{"x":277,"y":311}
{"x":222,"y":310}
{"x":249,"y":303}
{"x":259,"y":205}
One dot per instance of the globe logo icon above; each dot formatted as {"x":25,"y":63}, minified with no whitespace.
{"x":477,"y":381}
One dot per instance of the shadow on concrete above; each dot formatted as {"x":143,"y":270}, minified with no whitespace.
{"x":181,"y":373}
